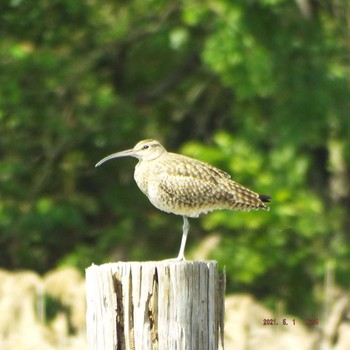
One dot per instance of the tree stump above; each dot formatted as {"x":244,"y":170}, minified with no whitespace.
{"x":155,"y":305}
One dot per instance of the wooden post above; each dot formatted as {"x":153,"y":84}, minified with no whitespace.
{"x":161,"y":305}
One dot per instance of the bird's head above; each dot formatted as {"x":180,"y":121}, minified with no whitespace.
{"x":144,"y":150}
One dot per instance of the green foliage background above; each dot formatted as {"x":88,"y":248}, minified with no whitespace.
{"x":259,"y":88}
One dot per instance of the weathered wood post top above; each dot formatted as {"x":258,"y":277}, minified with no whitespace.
{"x":161,"y":305}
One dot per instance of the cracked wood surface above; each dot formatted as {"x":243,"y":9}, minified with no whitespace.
{"x":155,"y":305}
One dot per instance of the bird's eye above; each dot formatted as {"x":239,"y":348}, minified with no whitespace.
{"x":145,"y":147}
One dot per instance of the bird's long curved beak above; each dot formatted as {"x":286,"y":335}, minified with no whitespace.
{"x":127,"y":153}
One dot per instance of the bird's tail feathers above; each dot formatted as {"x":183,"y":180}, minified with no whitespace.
{"x":264,"y":198}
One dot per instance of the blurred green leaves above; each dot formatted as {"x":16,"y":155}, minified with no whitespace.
{"x":294,"y":233}
{"x":253,"y":87}
{"x":236,"y":56}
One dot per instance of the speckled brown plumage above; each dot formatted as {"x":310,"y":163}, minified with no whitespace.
{"x":185,"y":186}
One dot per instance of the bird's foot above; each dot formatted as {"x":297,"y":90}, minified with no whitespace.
{"x":178,"y":259}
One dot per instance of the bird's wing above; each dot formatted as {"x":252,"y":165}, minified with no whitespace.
{"x":182,"y":165}
{"x":194,"y":184}
{"x":190,"y":180}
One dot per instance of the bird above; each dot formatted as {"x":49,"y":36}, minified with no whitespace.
{"x":185,"y":186}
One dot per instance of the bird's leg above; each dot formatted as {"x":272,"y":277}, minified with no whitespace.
{"x":185,"y":229}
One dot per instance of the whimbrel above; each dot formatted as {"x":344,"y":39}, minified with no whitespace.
{"x":185,"y":186}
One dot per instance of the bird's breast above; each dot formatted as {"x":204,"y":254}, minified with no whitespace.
{"x":147,"y":176}
{"x":142,"y":176}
